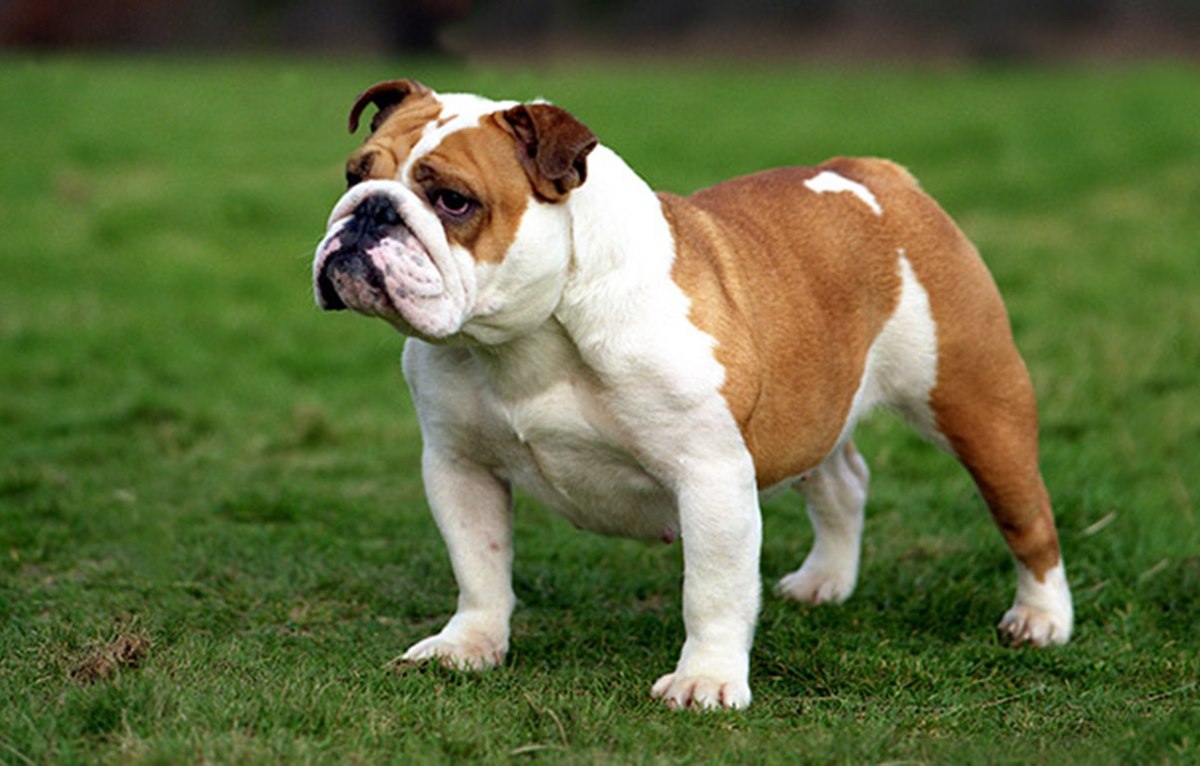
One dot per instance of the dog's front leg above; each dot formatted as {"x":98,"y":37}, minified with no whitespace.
{"x":473,"y":511}
{"x":722,"y":533}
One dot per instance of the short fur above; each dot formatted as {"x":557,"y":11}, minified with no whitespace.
{"x":646,"y":363}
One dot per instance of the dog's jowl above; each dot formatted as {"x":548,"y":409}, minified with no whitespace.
{"x":646,"y":364}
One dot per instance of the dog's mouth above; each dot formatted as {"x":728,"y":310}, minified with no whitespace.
{"x":372,"y":262}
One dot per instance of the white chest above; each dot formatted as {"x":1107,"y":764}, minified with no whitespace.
{"x":542,"y":423}
{"x":562,"y":449}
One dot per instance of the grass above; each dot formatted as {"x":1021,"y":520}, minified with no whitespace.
{"x":213,"y":538}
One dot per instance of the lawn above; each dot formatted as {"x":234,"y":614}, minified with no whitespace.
{"x":213,"y":539}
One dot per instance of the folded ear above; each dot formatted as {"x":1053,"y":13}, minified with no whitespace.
{"x":386,"y":96}
{"x":552,"y":147}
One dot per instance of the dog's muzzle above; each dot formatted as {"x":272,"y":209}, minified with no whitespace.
{"x":385,"y":255}
{"x":349,"y":277}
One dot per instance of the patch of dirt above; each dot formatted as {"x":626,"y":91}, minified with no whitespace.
{"x":102,"y":663}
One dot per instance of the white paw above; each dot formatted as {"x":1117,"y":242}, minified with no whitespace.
{"x":818,"y":585}
{"x":702,"y":692}
{"x":459,"y":647}
{"x":1042,"y":613}
{"x":1030,"y":625}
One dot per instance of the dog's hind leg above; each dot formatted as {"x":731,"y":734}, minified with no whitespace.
{"x":836,"y":493}
{"x":985,"y":408}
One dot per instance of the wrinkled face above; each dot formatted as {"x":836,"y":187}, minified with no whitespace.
{"x":454,"y":224}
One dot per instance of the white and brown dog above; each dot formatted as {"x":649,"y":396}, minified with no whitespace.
{"x":648,"y":364}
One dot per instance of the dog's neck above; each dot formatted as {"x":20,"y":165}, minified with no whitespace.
{"x":528,"y":364}
{"x":617,"y":224}
{"x":617,"y":292}
{"x":623,"y":250}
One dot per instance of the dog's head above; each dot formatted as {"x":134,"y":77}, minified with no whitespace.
{"x":454,"y":222}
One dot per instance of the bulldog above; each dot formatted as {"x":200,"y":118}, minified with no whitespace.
{"x":648,"y":364}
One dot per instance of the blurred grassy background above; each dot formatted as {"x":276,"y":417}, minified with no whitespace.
{"x":193,"y":459}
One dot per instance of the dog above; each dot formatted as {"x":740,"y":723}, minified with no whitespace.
{"x":647,"y":364}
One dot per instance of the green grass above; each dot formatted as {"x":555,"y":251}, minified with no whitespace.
{"x":213,"y":538}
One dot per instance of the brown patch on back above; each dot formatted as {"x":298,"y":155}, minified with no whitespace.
{"x":794,"y":286}
{"x":482,"y":163}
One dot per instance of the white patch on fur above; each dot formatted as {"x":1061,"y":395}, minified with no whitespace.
{"x":1042,"y":613}
{"x":827,"y":182}
{"x":901,"y":368}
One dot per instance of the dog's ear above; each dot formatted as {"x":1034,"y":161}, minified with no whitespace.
{"x":552,"y":147}
{"x":386,"y":96}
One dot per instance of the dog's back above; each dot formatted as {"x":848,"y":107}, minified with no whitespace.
{"x":850,"y":243}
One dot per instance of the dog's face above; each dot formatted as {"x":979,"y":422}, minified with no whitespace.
{"x":454,"y":223}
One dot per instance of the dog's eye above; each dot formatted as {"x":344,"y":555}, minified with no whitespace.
{"x":451,"y":203}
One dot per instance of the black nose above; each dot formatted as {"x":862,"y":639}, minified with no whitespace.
{"x":377,"y":210}
{"x":370,"y":221}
